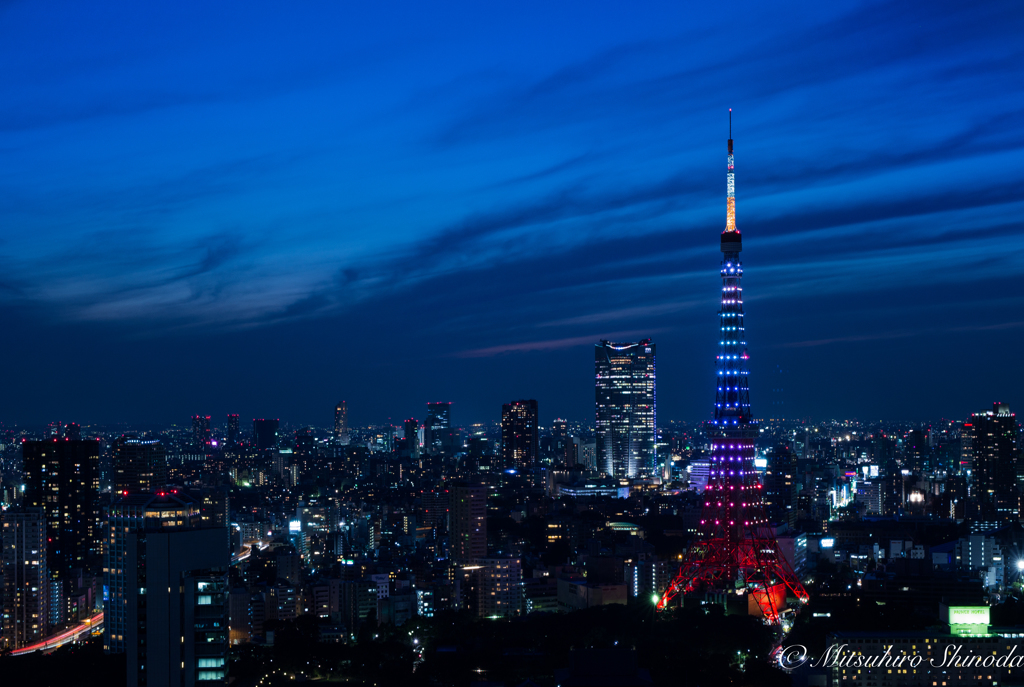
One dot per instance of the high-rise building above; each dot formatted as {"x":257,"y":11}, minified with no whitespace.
{"x":519,"y":440}
{"x":232,"y":434}
{"x":625,"y":401}
{"x":467,"y":521}
{"x":994,"y":445}
{"x":438,"y":436}
{"x":140,"y":465}
{"x":780,"y":486}
{"x":341,"y":423}
{"x":412,"y":435}
{"x":434,"y":507}
{"x":499,"y":587}
{"x":564,"y":445}
{"x":967,"y":448}
{"x":62,"y":478}
{"x":264,"y":434}
{"x":25,"y":577}
{"x":915,"y":449}
{"x":201,"y":437}
{"x":166,"y":591}
{"x":73,"y":431}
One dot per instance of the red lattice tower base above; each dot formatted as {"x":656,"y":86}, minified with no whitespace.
{"x":735,"y":550}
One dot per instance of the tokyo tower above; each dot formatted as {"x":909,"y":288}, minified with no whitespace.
{"x":735,"y":551}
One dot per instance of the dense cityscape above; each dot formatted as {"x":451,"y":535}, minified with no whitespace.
{"x":339,"y":537}
{"x":400,"y":344}
{"x":382,"y":552}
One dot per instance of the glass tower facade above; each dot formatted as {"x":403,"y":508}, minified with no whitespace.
{"x":625,"y":401}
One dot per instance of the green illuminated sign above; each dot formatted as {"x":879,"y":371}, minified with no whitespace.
{"x":969,"y":615}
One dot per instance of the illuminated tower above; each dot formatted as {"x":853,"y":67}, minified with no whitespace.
{"x":735,"y":550}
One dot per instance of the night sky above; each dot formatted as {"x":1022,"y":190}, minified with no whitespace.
{"x":264,"y":208}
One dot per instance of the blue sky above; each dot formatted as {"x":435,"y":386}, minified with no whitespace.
{"x":263,"y":209}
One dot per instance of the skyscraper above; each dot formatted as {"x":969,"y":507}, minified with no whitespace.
{"x":140,"y":465}
{"x":166,"y":601}
{"x":264,"y":434}
{"x":519,"y":441}
{"x":564,"y":445}
{"x":437,"y":428}
{"x":62,"y":478}
{"x":467,"y":528}
{"x":25,"y":577}
{"x":232,"y":434}
{"x":994,"y":448}
{"x":73,"y":431}
{"x":626,"y":408}
{"x":341,"y":423}
{"x":201,"y":437}
{"x":780,"y":486}
{"x":412,"y":435}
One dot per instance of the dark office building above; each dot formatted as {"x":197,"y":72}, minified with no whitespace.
{"x":264,"y":434}
{"x":62,"y":478}
{"x":73,"y":431}
{"x":626,"y":408}
{"x":563,"y":444}
{"x":438,"y":436}
{"x":166,"y":580}
{"x":412,"y":435}
{"x":140,"y":465}
{"x":467,"y":521}
{"x":780,"y":486}
{"x":201,"y":438}
{"x":434,"y":508}
{"x":915,"y":447}
{"x":519,"y":440}
{"x":994,"y":448}
{"x":232,"y":435}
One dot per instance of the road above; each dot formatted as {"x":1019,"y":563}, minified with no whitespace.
{"x":246,"y":550}
{"x":70,"y":635}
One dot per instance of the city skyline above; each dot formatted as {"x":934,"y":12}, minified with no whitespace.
{"x":206,"y":231}
{"x":392,"y":344}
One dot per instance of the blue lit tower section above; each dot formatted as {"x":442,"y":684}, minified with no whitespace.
{"x":735,"y":550}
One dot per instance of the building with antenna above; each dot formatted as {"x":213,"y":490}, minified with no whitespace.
{"x":735,"y":553}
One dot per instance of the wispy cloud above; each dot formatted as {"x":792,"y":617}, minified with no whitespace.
{"x":551,"y":344}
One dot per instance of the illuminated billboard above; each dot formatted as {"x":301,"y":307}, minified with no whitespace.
{"x":969,"y":615}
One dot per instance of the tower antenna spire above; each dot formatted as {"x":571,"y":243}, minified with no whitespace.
{"x":730,"y":123}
